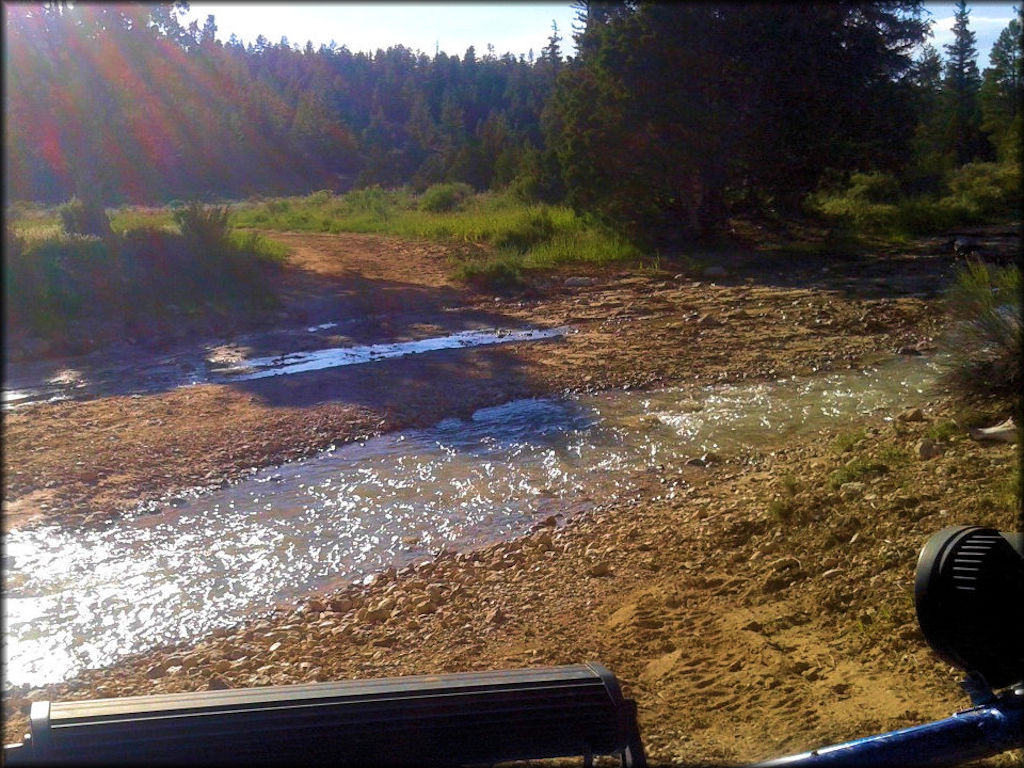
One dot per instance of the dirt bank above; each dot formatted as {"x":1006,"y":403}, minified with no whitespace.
{"x":752,"y":607}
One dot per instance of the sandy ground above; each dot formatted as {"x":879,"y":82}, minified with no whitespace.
{"x":742,"y":631}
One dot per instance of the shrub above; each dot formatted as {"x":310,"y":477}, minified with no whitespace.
{"x":320,"y":197}
{"x":526,"y":188}
{"x":499,"y":274}
{"x":79,"y":218}
{"x":986,"y":189}
{"x":14,"y":246}
{"x":203,"y":227}
{"x":984,"y":345}
{"x":57,"y":280}
{"x":445,"y":197}
{"x":372,"y":200}
{"x":856,"y":469}
{"x":874,"y":187}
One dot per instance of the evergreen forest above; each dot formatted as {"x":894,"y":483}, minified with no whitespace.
{"x":669,"y":118}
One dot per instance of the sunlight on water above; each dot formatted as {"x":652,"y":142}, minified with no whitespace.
{"x":79,"y":599}
{"x":169,"y":374}
{"x":300,"y":362}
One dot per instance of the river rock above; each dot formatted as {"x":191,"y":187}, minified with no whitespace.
{"x":850,"y":491}
{"x":341,"y":604}
{"x":380,"y":611}
{"x":579,"y":282}
{"x":911,"y":414}
{"x":543,"y":541}
{"x":435,"y":593}
{"x":423,"y":606}
{"x":708,"y":321}
{"x":926,"y":448}
{"x":600,"y":568}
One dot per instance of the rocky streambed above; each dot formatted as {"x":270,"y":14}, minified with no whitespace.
{"x":743,"y":631}
{"x":754,"y":604}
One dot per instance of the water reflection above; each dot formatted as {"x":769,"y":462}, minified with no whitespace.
{"x":79,"y":599}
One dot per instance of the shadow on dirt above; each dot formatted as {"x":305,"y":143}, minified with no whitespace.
{"x":413,"y":389}
{"x":921,"y":269}
{"x":315,"y":312}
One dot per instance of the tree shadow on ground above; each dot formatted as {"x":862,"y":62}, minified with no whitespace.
{"x":923,"y":268}
{"x":359,"y":310}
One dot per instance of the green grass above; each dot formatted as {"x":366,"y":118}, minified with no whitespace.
{"x":943,"y":430}
{"x":872,"y":203}
{"x":782,"y":510}
{"x":55,"y":282}
{"x":845,"y":442}
{"x":510,"y":237}
{"x":134,"y":217}
{"x":857,"y":469}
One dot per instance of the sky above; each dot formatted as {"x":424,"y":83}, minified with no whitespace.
{"x":515,"y":27}
{"x":511,"y":27}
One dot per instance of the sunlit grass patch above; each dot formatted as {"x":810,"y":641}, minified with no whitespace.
{"x":513,"y":236}
{"x":35,"y":230}
{"x":137,"y":217}
{"x":846,"y":442}
{"x":856,"y":469}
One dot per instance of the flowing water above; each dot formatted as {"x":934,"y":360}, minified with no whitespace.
{"x":81,"y":598}
{"x":106,"y":377}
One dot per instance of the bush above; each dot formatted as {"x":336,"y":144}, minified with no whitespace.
{"x":874,"y":187}
{"x":55,"y":281}
{"x":373,"y":201}
{"x":445,"y":197}
{"x":984,"y":345}
{"x":526,"y":188}
{"x":203,"y":227}
{"x":80,"y":218}
{"x":500,"y":274}
{"x":14,"y":246}
{"x":320,"y":197}
{"x":986,"y":189}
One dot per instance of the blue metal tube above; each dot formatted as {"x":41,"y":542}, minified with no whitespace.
{"x":972,"y":734}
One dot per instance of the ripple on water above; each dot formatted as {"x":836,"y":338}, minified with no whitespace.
{"x":79,"y":598}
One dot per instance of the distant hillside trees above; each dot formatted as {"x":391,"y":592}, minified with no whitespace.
{"x":671,"y":117}
{"x":123,"y":103}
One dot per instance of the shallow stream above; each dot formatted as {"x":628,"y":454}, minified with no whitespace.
{"x":82,"y":598}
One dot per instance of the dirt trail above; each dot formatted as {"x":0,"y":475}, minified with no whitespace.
{"x":742,"y":634}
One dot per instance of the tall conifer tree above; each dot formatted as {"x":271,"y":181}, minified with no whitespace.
{"x":962,"y":84}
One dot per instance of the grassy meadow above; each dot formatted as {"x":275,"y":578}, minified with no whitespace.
{"x":508,"y":236}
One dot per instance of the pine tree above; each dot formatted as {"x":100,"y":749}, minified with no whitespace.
{"x":932,"y":159}
{"x":671,"y":112}
{"x":962,"y":83}
{"x":1002,"y":90}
